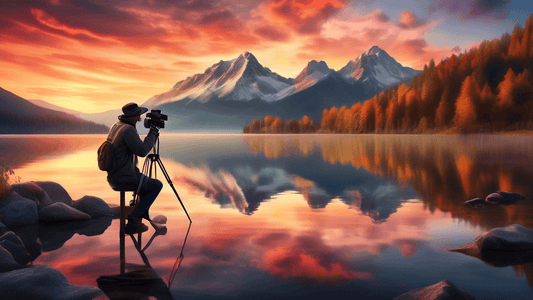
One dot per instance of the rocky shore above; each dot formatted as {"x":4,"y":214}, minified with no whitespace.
{"x":37,"y":217}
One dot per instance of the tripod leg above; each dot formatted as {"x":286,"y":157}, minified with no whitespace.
{"x":172,"y":186}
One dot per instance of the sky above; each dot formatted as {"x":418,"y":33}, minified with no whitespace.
{"x":97,"y":55}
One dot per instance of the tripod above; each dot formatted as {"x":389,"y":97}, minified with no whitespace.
{"x":149,"y":169}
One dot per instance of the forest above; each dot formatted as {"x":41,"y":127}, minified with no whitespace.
{"x":488,"y":88}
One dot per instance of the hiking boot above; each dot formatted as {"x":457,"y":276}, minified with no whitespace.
{"x":135,"y":225}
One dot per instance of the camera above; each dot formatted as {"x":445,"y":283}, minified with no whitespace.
{"x":156,"y":118}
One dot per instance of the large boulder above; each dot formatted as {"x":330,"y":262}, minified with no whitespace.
{"x":505,"y":246}
{"x":19,"y":213}
{"x":12,"y":243}
{"x":93,"y":206}
{"x":30,"y":190}
{"x":444,"y":290}
{"x":3,"y":228}
{"x":42,"y":282}
{"x":61,"y":212}
{"x":56,"y":192}
{"x":7,"y":262}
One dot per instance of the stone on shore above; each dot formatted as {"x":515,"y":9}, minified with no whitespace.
{"x":61,"y":212}
{"x":160,"y":219}
{"x":12,"y":243}
{"x":444,"y":290}
{"x":7,"y":262}
{"x":93,"y":206}
{"x":475,"y":202}
{"x":511,"y":197}
{"x":494,"y":198}
{"x":3,"y":228}
{"x":42,"y":282}
{"x":55,"y":191}
{"x":19,"y":213}
{"x":502,"y":246}
{"x":32,"y":191}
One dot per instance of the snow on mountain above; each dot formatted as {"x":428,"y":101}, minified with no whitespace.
{"x":243,"y":78}
{"x":311,"y":74}
{"x":376,"y":67}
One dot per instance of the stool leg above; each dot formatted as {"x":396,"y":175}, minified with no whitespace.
{"x":121,"y":233}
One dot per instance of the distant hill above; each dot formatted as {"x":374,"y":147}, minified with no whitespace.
{"x":20,"y":116}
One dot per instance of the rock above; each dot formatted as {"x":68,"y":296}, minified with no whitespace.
{"x":12,"y":243}
{"x":475,"y":201}
{"x":42,"y":282}
{"x":3,"y":228}
{"x":500,"y":247}
{"x":494,"y":198}
{"x":511,"y":197}
{"x":93,"y":206}
{"x":30,"y":190}
{"x":56,"y":192}
{"x":19,"y":213}
{"x":61,"y":212}
{"x":7,"y":262}
{"x":54,"y":235}
{"x":160,"y":219}
{"x":29,"y":235}
{"x":444,"y":290}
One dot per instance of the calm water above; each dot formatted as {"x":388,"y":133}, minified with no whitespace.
{"x":346,"y":217}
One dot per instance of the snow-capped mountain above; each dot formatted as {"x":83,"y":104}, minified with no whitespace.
{"x":376,"y":67}
{"x":243,"y":78}
{"x":311,"y":74}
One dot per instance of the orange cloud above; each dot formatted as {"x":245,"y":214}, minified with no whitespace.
{"x":409,"y":20}
{"x":303,"y":17}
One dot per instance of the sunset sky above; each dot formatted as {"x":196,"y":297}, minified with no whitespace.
{"x":97,"y":55}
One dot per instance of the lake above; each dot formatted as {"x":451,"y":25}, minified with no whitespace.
{"x":299,"y":217}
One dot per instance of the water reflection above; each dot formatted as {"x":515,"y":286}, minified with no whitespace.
{"x":308,"y":214}
{"x":444,"y":170}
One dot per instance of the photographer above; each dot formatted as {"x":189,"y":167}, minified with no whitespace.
{"x":127,"y":146}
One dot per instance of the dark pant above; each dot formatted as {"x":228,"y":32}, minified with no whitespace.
{"x":149,"y":191}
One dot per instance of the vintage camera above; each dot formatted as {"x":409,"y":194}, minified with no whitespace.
{"x":156,"y":118}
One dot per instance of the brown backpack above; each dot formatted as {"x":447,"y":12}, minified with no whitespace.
{"x":106,"y":157}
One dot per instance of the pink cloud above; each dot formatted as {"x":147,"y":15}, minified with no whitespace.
{"x":409,"y":20}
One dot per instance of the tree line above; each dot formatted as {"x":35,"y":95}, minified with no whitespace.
{"x":488,"y":88}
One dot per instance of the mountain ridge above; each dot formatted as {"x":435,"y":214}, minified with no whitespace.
{"x":244,"y":79}
{"x":20,"y":116}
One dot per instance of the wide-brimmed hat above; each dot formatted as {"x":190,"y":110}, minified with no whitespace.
{"x":132,"y":110}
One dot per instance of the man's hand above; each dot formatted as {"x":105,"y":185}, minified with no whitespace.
{"x":155,"y":128}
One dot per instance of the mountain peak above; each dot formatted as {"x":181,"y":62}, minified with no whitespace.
{"x":315,"y":70}
{"x":376,"y":66}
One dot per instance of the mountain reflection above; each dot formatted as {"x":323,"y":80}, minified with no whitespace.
{"x":444,"y":170}
{"x":245,"y":188}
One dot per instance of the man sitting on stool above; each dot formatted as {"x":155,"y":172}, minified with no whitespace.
{"x":127,"y":146}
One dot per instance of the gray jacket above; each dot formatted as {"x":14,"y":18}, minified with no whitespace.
{"x":127,"y":146}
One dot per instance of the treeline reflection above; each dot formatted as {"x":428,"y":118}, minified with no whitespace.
{"x":444,"y":170}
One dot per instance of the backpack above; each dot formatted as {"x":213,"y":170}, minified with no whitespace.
{"x":106,"y":157}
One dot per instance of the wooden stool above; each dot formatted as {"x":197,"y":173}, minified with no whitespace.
{"x":123,"y":188}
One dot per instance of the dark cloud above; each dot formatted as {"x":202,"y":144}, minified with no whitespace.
{"x":472,"y":9}
{"x":382,"y":17}
{"x":304,"y":17}
{"x":272,"y":33}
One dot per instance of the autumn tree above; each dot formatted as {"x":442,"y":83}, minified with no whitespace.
{"x":465,"y":106}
